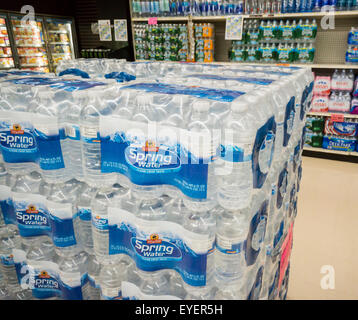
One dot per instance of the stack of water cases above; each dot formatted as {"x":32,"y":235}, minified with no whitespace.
{"x":178,"y":185}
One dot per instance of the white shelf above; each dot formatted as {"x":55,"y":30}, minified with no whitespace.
{"x":6,"y":56}
{"x":344,"y":153}
{"x":328,"y":114}
{"x":62,"y":43}
{"x":339,"y":14}
{"x":58,"y":31}
{"x":34,"y":65}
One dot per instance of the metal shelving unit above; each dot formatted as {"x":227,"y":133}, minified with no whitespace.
{"x":343,"y":153}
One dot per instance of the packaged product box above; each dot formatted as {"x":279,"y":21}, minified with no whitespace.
{"x":322,"y":86}
{"x":348,"y":129}
{"x":339,"y":143}
{"x":314,"y":140}
{"x":314,"y":124}
{"x":320,"y":103}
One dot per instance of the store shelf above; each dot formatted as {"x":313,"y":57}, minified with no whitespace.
{"x":6,"y":56}
{"x":321,"y":150}
{"x":62,"y":43}
{"x":34,"y":65}
{"x":328,"y":114}
{"x":340,"y":14}
{"x":28,"y":46}
{"x":162,"y":19}
{"x":58,"y":31}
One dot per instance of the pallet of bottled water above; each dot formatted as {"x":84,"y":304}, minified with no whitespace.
{"x":180,"y":182}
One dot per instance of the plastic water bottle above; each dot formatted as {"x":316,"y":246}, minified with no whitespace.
{"x":232,"y":229}
{"x":9,"y":240}
{"x":203,"y":223}
{"x":43,"y":253}
{"x":176,"y":285}
{"x":148,"y":111}
{"x":73,"y":273}
{"x":235,"y":179}
{"x":229,"y":289}
{"x":90,"y":140}
{"x":85,"y":216}
{"x":61,"y":202}
{"x":153,"y":283}
{"x":5,"y":293}
{"x":110,"y":279}
{"x":105,"y":197}
{"x":94,"y":269}
{"x":208,"y":126}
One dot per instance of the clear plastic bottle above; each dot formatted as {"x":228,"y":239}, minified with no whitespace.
{"x":9,"y":240}
{"x":73,"y":270}
{"x":85,"y":216}
{"x":61,"y":204}
{"x":208,"y":126}
{"x":232,"y":229}
{"x":91,"y":148}
{"x":94,"y":269}
{"x":110,"y":280}
{"x":105,"y":197}
{"x":236,"y":181}
{"x":43,"y":253}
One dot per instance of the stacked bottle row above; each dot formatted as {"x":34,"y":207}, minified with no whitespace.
{"x":156,"y":8}
{"x":273,"y":41}
{"x":159,"y":8}
{"x":337,"y":93}
{"x":163,"y":42}
{"x":204,"y":42}
{"x":163,"y":193}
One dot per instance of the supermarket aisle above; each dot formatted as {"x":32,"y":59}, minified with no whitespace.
{"x":326,"y":231}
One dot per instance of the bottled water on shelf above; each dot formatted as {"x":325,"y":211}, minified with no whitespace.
{"x":110,"y":280}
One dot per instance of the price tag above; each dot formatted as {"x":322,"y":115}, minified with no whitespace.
{"x":233,"y":30}
{"x":337,"y":117}
{"x":153,"y":20}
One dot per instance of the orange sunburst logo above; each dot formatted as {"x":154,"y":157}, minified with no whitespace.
{"x":16,"y":129}
{"x":44,"y":275}
{"x":154,"y":239}
{"x":31,"y":209}
{"x":150,"y":146}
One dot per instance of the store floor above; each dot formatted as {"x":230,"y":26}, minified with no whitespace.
{"x":325,"y":232}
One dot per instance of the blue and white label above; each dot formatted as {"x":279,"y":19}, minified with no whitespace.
{"x":6,"y":205}
{"x":44,"y":279}
{"x":26,"y":137}
{"x":155,"y":155}
{"x":84,"y":213}
{"x":256,"y":234}
{"x":31,"y":214}
{"x":37,"y":216}
{"x":221,"y":95}
{"x":289,"y":121}
{"x":264,"y":147}
{"x":157,"y":245}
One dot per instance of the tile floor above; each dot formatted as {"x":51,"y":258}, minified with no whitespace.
{"x":325,"y":232}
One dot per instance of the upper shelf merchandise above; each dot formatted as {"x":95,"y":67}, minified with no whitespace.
{"x":6,"y":59}
{"x":165,"y":8}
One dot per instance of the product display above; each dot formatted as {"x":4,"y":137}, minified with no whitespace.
{"x":337,"y":95}
{"x":204,"y":42}
{"x":163,"y":42}
{"x":6,"y":59}
{"x":276,"y":41}
{"x":151,"y":189}
{"x":352,"y":50}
